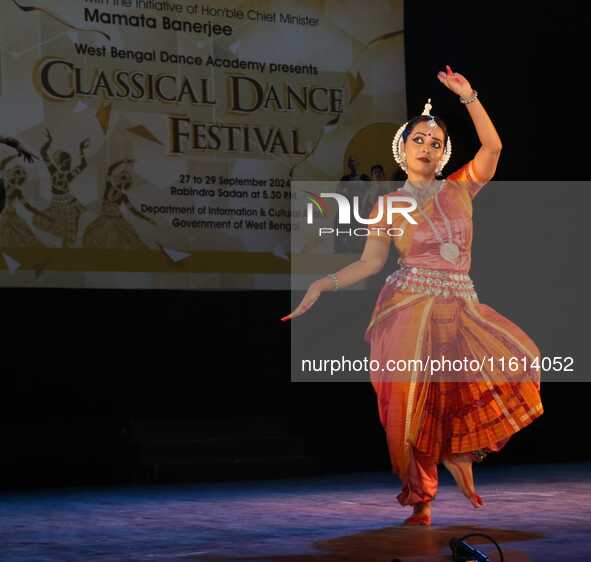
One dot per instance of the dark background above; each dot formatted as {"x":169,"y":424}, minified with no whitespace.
{"x":137,"y":386}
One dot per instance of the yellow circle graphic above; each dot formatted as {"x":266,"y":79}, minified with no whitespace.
{"x":372,"y":146}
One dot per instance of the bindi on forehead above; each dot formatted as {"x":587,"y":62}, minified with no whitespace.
{"x":428,"y":133}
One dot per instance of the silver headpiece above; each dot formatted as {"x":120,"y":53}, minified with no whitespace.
{"x":397,"y":143}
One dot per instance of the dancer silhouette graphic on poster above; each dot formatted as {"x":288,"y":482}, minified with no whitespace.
{"x":21,"y":151}
{"x":110,"y":229}
{"x":14,"y":231}
{"x":64,"y":209}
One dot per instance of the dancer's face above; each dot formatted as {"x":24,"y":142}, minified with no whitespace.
{"x":124,"y":181}
{"x":64,"y":161}
{"x":424,"y":149}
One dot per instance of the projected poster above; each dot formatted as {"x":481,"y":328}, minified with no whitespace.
{"x":167,"y":133}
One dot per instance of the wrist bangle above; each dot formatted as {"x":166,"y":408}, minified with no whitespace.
{"x":470,"y":98}
{"x":335,"y":281}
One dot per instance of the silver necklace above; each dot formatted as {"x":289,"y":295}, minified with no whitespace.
{"x":424,"y":194}
{"x":448,"y":250}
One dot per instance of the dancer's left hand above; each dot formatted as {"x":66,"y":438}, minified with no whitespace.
{"x":455,"y":82}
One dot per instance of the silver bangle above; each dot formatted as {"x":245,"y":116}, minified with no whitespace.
{"x":334,"y":280}
{"x":470,"y":98}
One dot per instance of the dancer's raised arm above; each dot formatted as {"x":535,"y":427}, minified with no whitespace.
{"x":83,"y":162}
{"x":22,"y":151}
{"x":488,"y":155}
{"x":45,"y":151}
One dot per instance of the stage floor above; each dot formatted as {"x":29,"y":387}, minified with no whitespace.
{"x":537,"y":513}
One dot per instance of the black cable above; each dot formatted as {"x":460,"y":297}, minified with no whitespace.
{"x":453,"y":548}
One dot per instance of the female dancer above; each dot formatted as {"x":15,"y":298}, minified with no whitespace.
{"x":14,"y":231}
{"x":111,"y":229}
{"x":428,"y":308}
{"x":64,"y":210}
{"x":21,"y":151}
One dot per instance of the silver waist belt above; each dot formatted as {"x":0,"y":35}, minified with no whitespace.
{"x":433,"y":282}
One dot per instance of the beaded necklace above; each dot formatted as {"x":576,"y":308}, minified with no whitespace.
{"x":449,"y":251}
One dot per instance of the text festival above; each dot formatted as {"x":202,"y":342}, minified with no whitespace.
{"x":61,"y":80}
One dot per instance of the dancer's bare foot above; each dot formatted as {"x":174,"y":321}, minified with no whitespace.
{"x":460,"y":467}
{"x":421,"y":515}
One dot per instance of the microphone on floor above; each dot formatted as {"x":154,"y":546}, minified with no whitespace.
{"x":464,"y":552}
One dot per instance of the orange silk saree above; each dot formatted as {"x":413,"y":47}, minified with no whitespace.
{"x":424,"y":418}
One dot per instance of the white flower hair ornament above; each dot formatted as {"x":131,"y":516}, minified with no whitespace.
{"x":397,"y":143}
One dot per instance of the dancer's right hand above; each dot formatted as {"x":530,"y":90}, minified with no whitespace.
{"x":311,"y":296}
